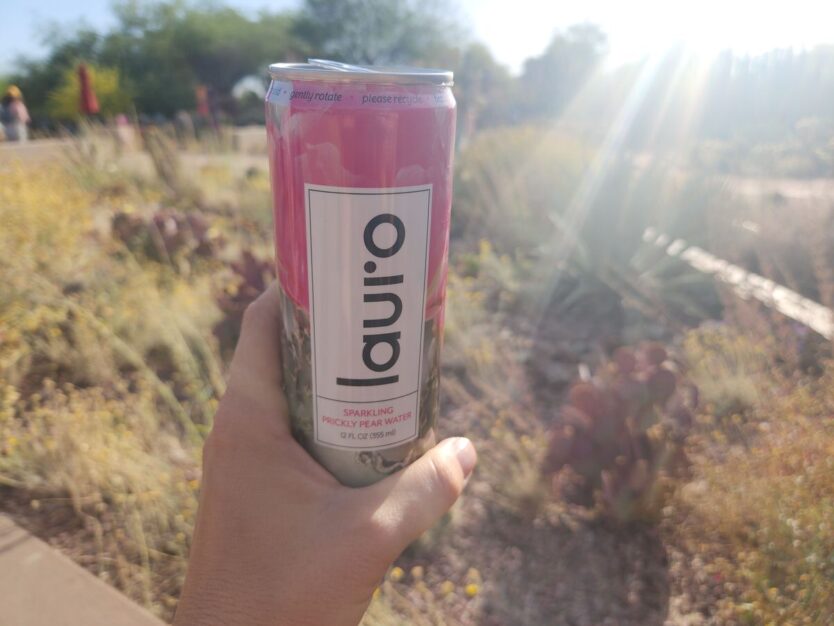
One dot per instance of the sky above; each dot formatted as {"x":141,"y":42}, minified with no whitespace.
{"x":518,"y":29}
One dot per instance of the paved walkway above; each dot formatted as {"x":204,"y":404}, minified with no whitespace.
{"x":33,"y":152}
{"x":41,"y":587}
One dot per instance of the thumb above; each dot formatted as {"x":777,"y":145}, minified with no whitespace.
{"x":413,"y":500}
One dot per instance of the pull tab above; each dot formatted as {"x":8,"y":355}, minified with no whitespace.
{"x":336,"y":65}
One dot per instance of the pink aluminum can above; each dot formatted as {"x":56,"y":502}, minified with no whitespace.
{"x":361,"y":167}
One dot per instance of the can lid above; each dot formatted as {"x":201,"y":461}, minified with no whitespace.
{"x":322,"y":69}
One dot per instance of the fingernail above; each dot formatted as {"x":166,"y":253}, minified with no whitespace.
{"x":465,"y":452}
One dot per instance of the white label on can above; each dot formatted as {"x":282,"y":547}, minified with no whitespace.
{"x":367,"y":255}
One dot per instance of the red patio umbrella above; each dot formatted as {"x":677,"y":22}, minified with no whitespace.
{"x":89,"y":102}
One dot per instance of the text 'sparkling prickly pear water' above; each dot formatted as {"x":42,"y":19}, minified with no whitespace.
{"x":361,"y":166}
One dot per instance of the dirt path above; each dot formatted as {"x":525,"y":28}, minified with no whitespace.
{"x":248,"y":149}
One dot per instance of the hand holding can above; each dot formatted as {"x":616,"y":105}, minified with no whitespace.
{"x":276,"y":536}
{"x":361,"y":165}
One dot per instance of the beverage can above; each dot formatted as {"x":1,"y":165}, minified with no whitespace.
{"x":361,"y":172}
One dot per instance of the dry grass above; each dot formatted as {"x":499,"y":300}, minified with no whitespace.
{"x":108,"y":380}
{"x":728,"y":370}
{"x":758,"y":518}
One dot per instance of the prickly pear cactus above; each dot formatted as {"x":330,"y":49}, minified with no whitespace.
{"x":621,"y":430}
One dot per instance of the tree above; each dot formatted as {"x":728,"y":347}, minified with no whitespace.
{"x":63,"y":102}
{"x":163,"y":50}
{"x":37,"y":79}
{"x":380,"y":31}
{"x":484,"y":90}
{"x":168,"y":48}
{"x":550,"y":81}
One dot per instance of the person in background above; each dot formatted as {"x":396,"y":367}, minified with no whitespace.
{"x":125,"y":133}
{"x":14,"y":116}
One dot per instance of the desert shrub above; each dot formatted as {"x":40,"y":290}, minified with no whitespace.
{"x":504,"y":285}
{"x":729,"y":370}
{"x":806,"y":152}
{"x":485,"y":389}
{"x":479,"y":351}
{"x":510,"y":180}
{"x":161,"y":148}
{"x":550,"y":205}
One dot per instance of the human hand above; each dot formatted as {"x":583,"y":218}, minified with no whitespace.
{"x":278,"y":540}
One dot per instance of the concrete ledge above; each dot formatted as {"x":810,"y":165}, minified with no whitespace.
{"x":41,"y":587}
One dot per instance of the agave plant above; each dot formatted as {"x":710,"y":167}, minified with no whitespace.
{"x":618,"y":432}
